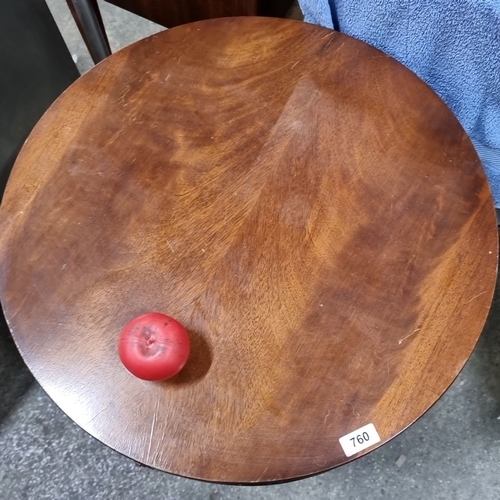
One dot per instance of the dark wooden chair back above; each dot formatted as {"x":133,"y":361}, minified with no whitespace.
{"x":170,"y":13}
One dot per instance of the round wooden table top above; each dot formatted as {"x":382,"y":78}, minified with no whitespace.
{"x":307,"y":207}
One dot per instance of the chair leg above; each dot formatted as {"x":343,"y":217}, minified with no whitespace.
{"x":89,"y":21}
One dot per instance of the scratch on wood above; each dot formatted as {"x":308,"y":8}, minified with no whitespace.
{"x":338,"y":46}
{"x":19,"y":307}
{"x":98,"y":413}
{"x":159,"y":452}
{"x":122,"y":97}
{"x":475,"y":297}
{"x":262,"y":475}
{"x":153,"y":425}
{"x":409,"y":335}
{"x":326,"y":416}
{"x":354,"y":412}
{"x":329,"y":43}
{"x":171,"y":247}
{"x":294,"y":64}
{"x":319,"y":464}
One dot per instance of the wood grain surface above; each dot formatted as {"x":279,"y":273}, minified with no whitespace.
{"x":307,"y":207}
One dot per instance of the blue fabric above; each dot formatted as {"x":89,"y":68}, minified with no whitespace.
{"x":453,"y":45}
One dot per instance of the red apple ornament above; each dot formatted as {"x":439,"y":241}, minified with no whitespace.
{"x":154,"y":347}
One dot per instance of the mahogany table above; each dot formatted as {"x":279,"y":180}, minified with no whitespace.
{"x":307,"y":207}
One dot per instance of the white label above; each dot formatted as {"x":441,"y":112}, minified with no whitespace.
{"x":359,"y":440}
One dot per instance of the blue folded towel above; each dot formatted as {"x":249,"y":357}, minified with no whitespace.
{"x":453,"y":45}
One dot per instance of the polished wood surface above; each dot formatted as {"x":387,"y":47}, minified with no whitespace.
{"x":308,"y":208}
